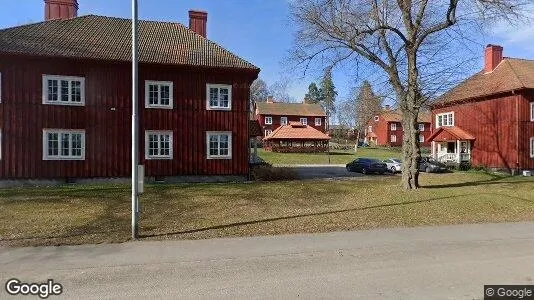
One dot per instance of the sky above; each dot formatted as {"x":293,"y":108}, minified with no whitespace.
{"x":257,"y":30}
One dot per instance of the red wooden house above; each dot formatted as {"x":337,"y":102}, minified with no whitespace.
{"x":272,"y":115}
{"x":385,"y":129}
{"x":488,"y":119}
{"x":65,"y":94}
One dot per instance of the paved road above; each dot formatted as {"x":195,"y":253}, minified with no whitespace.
{"x":452,"y":262}
{"x":325,"y":171}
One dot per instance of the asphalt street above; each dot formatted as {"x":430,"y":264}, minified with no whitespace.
{"x":449,"y":262}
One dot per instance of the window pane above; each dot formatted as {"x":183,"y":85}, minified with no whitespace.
{"x":164,"y":144}
{"x":76,"y":144}
{"x":152,"y":144}
{"x":223,"y":97}
{"x":52,"y":90}
{"x":214,"y":97}
{"x":64,"y":91}
{"x":165,"y":95}
{"x":65,"y":137}
{"x":53,"y":144}
{"x":152,"y":94}
{"x":76,"y":91}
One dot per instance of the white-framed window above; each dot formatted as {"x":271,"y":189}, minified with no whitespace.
{"x":63,"y":90}
{"x":317,"y":121}
{"x":421,"y":126}
{"x":218,"y":96}
{"x":445,"y":119}
{"x":219,"y":144}
{"x":304,"y":121}
{"x":63,"y":144}
{"x":268,"y":120}
{"x":283,"y":120}
{"x":532,"y":147}
{"x":393,"y":138}
{"x":531,"y":108}
{"x":393,"y":126}
{"x":158,"y":144}
{"x":370,"y":129}
{"x":421,"y":138}
{"x":377,"y":118}
{"x":267,"y":132}
{"x":158,"y":94}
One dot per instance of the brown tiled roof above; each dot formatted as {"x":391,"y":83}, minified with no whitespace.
{"x":290,"y":109}
{"x":108,"y":38}
{"x":455,"y":132}
{"x":254,"y":128}
{"x":296,"y":131}
{"x":510,"y":74}
{"x":395,"y":116}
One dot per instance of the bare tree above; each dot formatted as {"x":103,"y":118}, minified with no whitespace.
{"x":279,"y":91}
{"x":258,"y":91}
{"x":401,"y":38}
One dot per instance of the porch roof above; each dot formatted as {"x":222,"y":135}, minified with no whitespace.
{"x":446,"y":133}
{"x":297,"y":131}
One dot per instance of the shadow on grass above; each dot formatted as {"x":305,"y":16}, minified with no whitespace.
{"x":496,"y":179}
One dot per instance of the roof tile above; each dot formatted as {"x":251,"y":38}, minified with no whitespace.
{"x":296,"y":131}
{"x":290,"y":109}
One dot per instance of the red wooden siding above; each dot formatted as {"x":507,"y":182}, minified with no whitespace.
{"x":382,"y":129}
{"x":107,"y":122}
{"x":495,"y":125}
{"x":276,"y":122}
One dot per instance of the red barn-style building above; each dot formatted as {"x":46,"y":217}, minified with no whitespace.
{"x":488,"y":119}
{"x":65,"y":98}
{"x":272,"y":115}
{"x":385,"y":129}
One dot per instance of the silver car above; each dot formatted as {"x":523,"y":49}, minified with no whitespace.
{"x":394,"y":165}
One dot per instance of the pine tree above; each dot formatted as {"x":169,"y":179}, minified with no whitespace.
{"x":313,"y":95}
{"x":328,"y":93}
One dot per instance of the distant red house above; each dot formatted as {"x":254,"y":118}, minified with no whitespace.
{"x":488,"y":119}
{"x":385,"y":129}
{"x":296,"y":137}
{"x":272,"y":115}
{"x":65,"y":94}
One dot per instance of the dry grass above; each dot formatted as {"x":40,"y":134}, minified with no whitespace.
{"x":96,"y":214}
{"x":336,"y":156}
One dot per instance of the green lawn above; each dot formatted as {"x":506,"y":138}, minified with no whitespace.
{"x":336,"y":156}
{"x":96,"y":214}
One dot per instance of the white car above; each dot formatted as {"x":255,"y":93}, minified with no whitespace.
{"x":393,"y":164}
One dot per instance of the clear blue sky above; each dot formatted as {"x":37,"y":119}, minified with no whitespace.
{"x":256,"y":30}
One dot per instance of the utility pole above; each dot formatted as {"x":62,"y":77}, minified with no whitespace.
{"x":135,"y":125}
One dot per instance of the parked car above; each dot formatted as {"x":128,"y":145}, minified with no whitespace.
{"x":394,"y":165}
{"x":366,"y":166}
{"x":429,"y":164}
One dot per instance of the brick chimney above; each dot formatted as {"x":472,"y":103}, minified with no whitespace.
{"x":492,"y":57}
{"x":197,"y":21}
{"x":60,"y":9}
{"x":269,"y":99}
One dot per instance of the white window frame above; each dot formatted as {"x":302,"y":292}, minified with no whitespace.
{"x":532,"y":147}
{"x":268,"y":120}
{"x":218,"y":86}
{"x":318,"y":123}
{"x":393,"y":138}
{"x":377,"y":118}
{"x":160,"y":84}
{"x":421,"y":138}
{"x":531,"y":110}
{"x":283,"y":120}
{"x":370,"y":128}
{"x":60,"y":78}
{"x":421,"y":126}
{"x":46,"y":156}
{"x":159,"y":133}
{"x":211,"y":133}
{"x":305,"y":121}
{"x":267,"y":132}
{"x":393,"y":126}
{"x":450,"y":119}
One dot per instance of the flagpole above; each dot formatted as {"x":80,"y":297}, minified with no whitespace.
{"x":135,"y":126}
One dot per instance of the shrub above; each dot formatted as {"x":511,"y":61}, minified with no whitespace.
{"x":479,"y":168}
{"x":268,"y":173}
{"x":464,"y":166}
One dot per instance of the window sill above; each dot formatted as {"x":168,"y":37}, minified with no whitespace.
{"x":63,"y":158}
{"x":159,"y":106}
{"x":158,"y":158}
{"x":219,"y":108}
{"x":219,"y":157}
{"x":64,"y":103}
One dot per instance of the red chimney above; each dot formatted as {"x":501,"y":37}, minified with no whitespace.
{"x":197,"y":21}
{"x":492,"y":57}
{"x":60,"y":9}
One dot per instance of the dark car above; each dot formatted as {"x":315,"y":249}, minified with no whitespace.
{"x":367,"y":165}
{"x":429,"y":164}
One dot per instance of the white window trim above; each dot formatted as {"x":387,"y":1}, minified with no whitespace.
{"x":210,"y":133}
{"x":212,"y":85}
{"x":370,"y":128}
{"x":59,"y":78}
{"x":451,"y":116}
{"x":393,"y":126}
{"x":46,"y":131}
{"x":393,"y":138}
{"x":159,"y":132}
{"x":421,"y":138}
{"x":532,"y":147}
{"x":305,"y":121}
{"x":283,"y":120}
{"x":159,"y":84}
{"x":270,"y":122}
{"x":421,"y":125}
{"x":531,"y":110}
{"x":318,"y":123}
{"x":377,"y":118}
{"x":267,"y":132}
